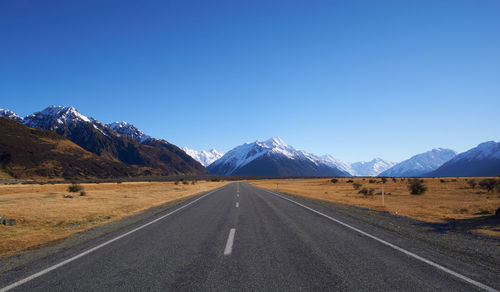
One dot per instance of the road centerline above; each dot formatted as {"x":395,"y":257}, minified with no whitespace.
{"x":229,"y":244}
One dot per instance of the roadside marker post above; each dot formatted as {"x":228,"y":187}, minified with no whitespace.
{"x":277,"y":188}
{"x":382,"y":196}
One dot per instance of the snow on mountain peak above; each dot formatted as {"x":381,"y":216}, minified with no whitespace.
{"x":362,"y":168}
{"x":275,"y":142}
{"x":485,"y":150}
{"x":128,"y":130}
{"x":422,"y":163}
{"x":204,"y":157}
{"x":6,"y":113}
{"x":55,"y":117}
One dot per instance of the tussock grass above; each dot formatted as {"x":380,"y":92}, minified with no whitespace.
{"x":455,"y":199}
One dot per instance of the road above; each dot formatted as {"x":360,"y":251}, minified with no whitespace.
{"x":243,"y":238}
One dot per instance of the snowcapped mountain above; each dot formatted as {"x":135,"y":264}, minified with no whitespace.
{"x":272,"y":157}
{"x":55,"y":118}
{"x":128,"y":130}
{"x":483,"y":160}
{"x":204,"y":157}
{"x":421,"y":164}
{"x":5,"y":113}
{"x":370,"y":168}
{"x":333,"y":162}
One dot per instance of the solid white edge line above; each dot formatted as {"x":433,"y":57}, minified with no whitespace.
{"x":45,"y":271}
{"x":429,"y":262}
{"x":229,"y":244}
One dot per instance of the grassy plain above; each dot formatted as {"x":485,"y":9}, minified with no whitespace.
{"x":45,"y":217}
{"x":446,"y":200}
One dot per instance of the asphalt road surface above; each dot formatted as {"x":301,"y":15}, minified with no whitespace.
{"x":243,"y":238}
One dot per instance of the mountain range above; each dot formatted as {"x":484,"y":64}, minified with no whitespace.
{"x":420,"y":164}
{"x":483,"y":160}
{"x":119,"y":142}
{"x":272,"y":157}
{"x":204,"y":157}
{"x":368,"y":168}
{"x":61,"y":142}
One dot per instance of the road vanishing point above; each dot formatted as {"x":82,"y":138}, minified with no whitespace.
{"x":240,"y":237}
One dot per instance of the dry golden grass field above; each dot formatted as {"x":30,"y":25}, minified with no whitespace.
{"x":445,"y":199}
{"x":45,"y":217}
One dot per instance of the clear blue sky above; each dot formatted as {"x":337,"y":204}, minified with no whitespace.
{"x":355,"y":79}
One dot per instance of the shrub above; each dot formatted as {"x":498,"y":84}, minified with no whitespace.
{"x":356,"y":186}
{"x":442,"y":180}
{"x":334,"y":180}
{"x":193,"y":182}
{"x":366,"y":192}
{"x":176,"y":182}
{"x":349,"y":181}
{"x":488,"y":184}
{"x":394,"y":180}
{"x":185,"y":182}
{"x":384,"y":180}
{"x":416,"y":186}
{"x":82,"y":193}
{"x":75,"y":188}
{"x":472,"y":183}
{"x":372,"y":181}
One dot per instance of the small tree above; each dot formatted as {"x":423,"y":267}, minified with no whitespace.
{"x":416,"y":186}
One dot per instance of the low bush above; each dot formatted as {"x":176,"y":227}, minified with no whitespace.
{"x":472,"y":183}
{"x":334,"y":180}
{"x":366,"y":192}
{"x":416,"y":186}
{"x":356,"y":186}
{"x":82,"y":193}
{"x":488,"y":184}
{"x":350,"y":181}
{"x":384,"y":180}
{"x":75,"y":188}
{"x":372,"y":181}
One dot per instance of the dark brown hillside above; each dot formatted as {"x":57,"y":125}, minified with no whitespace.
{"x":163,"y":155}
{"x":30,"y":153}
{"x":95,"y":137}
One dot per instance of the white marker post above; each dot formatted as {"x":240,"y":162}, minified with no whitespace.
{"x":382,"y":196}
{"x":277,"y":188}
